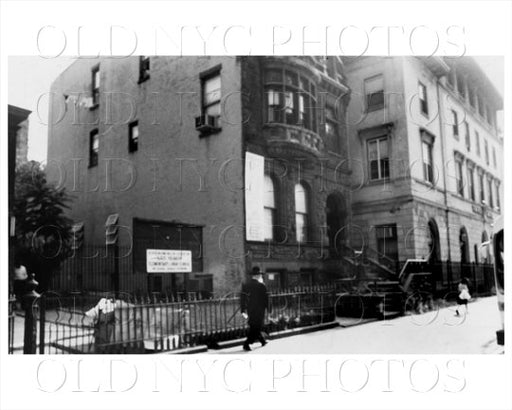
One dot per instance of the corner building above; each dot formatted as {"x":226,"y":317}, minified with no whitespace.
{"x":427,"y":155}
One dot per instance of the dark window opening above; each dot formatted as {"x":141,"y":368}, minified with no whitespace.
{"x":95,"y":86}
{"x":387,"y":241}
{"x":455,"y":126}
{"x":422,"y":91}
{"x":144,"y":66}
{"x":94,"y":147}
{"x":374,"y":92}
{"x":133,"y":136}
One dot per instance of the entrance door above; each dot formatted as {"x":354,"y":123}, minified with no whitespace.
{"x":336,"y":216}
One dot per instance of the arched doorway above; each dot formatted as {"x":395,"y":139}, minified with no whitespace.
{"x":336,"y":218}
{"x":464,"y":245}
{"x":434,"y":251}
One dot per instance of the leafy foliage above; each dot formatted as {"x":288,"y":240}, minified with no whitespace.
{"x":43,"y":232}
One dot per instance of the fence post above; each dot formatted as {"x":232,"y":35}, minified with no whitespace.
{"x":42,"y":323}
{"x":12,"y":318}
{"x":30,"y":336}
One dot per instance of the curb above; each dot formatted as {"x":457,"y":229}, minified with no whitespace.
{"x":187,"y":350}
{"x":278,"y":335}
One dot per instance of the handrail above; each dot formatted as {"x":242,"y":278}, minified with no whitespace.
{"x":407,"y":262}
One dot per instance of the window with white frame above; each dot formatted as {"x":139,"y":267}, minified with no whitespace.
{"x":301,"y":212}
{"x":291,"y":98}
{"x":211,"y":90}
{"x":269,"y":206}
{"x":428,"y":166}
{"x":378,"y":158}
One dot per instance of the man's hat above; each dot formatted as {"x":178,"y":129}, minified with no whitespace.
{"x":255,"y":271}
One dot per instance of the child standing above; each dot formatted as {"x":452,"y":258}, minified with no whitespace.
{"x":464,"y":295}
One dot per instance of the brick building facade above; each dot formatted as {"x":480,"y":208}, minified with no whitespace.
{"x":160,"y":143}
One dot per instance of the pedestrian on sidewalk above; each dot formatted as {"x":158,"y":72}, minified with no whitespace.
{"x":254,"y":302}
{"x":20,"y":282}
{"x":464,"y":295}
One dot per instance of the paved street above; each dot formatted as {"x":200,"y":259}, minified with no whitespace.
{"x":434,"y":332}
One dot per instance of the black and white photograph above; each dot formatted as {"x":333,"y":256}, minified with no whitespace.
{"x":245,"y":211}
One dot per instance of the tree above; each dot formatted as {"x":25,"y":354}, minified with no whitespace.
{"x":43,"y":232}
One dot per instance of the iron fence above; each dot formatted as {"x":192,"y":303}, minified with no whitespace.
{"x":142,"y":325}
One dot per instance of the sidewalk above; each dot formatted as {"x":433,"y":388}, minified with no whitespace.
{"x":437,"y":332}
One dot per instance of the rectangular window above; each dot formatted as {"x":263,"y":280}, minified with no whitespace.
{"x":486,"y":152}
{"x":422,"y":93}
{"x":480,"y":106}
{"x":461,"y":86}
{"x":471,"y":96}
{"x":459,"y":178}
{"x":477,"y":139}
{"x":471,"y":184}
{"x":211,"y":95}
{"x":95,"y":85}
{"x":289,"y":110}
{"x":387,"y":240}
{"x":378,"y":158}
{"x":428,"y":171}
{"x":455,"y":125}
{"x":482,"y":187}
{"x":468,"y":136}
{"x":374,"y":92}
{"x":489,"y":189}
{"x":274,"y":106}
{"x":490,"y":116}
{"x":133,"y":136}
{"x":94,"y":147}
{"x":451,"y":78}
{"x":494,"y":157}
{"x":498,"y":204}
{"x":143,"y":68}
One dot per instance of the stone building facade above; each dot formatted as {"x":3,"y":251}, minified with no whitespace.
{"x":427,"y":154}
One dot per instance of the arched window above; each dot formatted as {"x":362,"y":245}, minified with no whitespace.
{"x":301,"y":213}
{"x":269,"y":204}
{"x":464,"y":245}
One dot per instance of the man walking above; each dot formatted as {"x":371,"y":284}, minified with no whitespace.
{"x":254,"y":302}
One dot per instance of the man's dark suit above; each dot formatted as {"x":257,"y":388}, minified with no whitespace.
{"x":254,"y":302}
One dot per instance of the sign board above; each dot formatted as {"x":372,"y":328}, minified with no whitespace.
{"x":168,"y":261}
{"x":254,"y":187}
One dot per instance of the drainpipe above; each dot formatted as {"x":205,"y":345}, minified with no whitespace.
{"x":445,"y":195}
